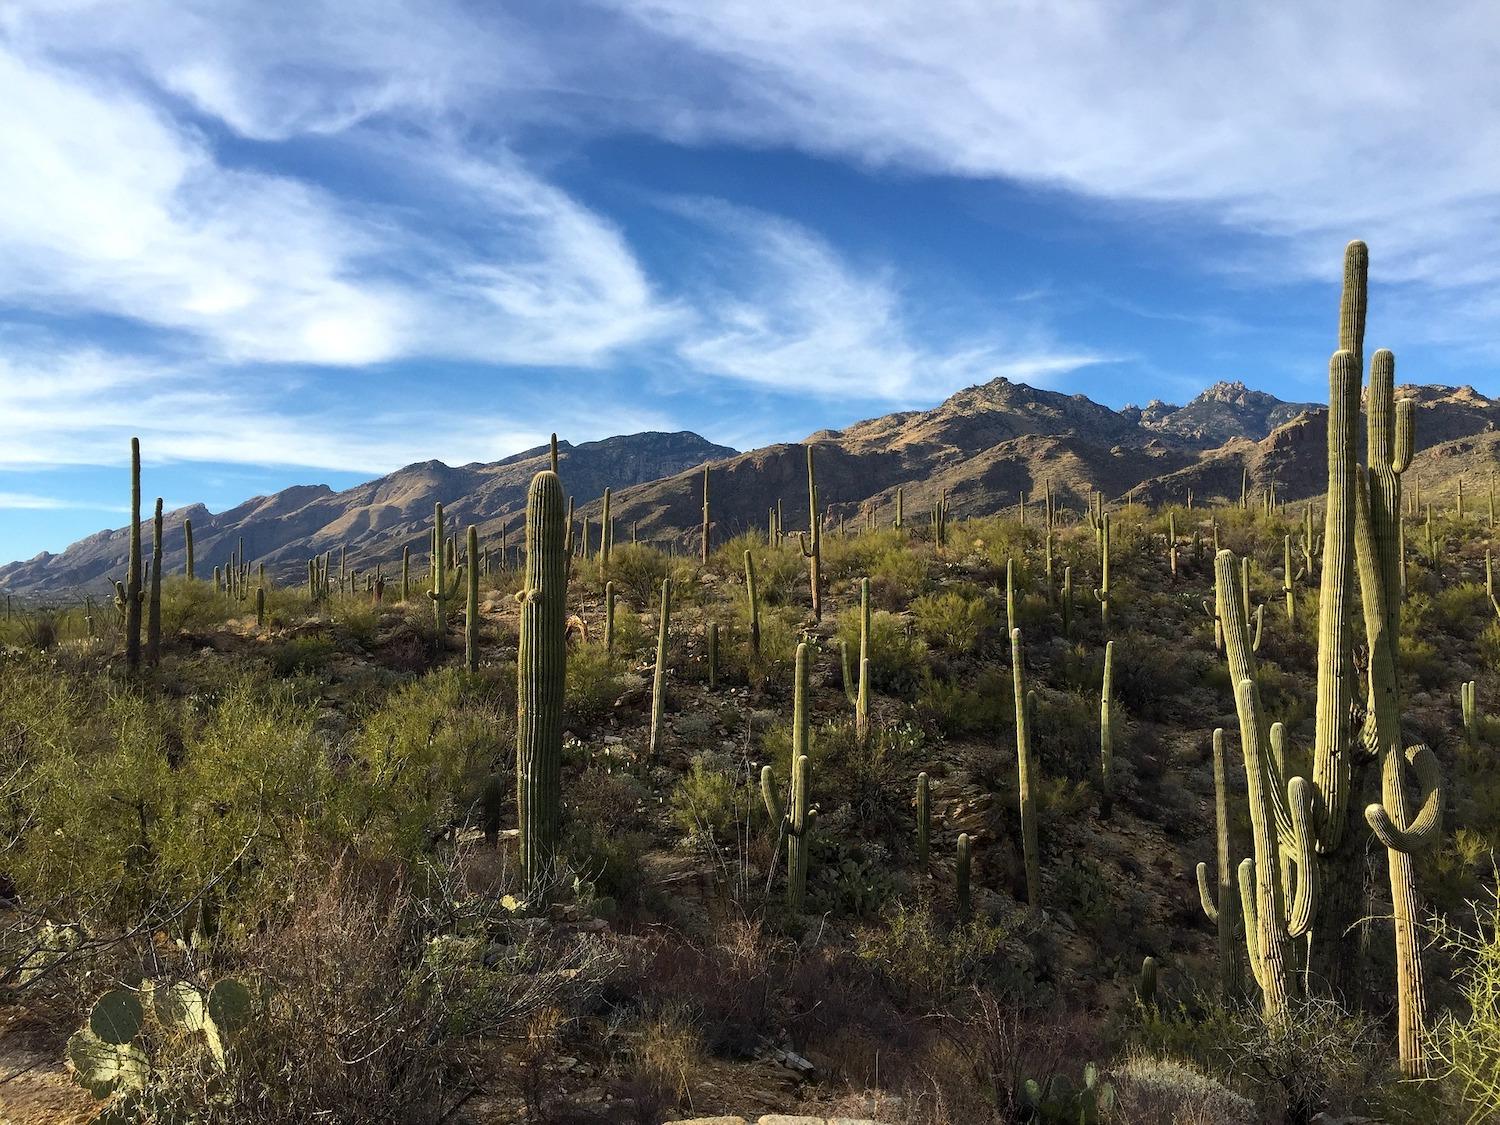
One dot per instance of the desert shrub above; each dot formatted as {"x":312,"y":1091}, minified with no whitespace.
{"x":310,"y":652}
{"x":898,"y":573}
{"x":426,"y":754}
{"x":637,"y":572}
{"x":780,"y":574}
{"x":775,"y":663}
{"x":669,"y":1050}
{"x":927,"y":964}
{"x":593,"y":684}
{"x":1469,"y":1045}
{"x":950,"y":706}
{"x":1164,"y":1091}
{"x":954,"y":620}
{"x":897,"y":657}
{"x":710,"y":800}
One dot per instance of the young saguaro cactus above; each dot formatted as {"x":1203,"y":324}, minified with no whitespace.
{"x":961,"y":873}
{"x":1101,"y":594}
{"x":187,"y":536}
{"x":754,"y":603}
{"x":796,"y":822}
{"x":659,"y":678}
{"x":1029,"y":845}
{"x":541,"y":674}
{"x":862,"y":695}
{"x":1107,"y":732}
{"x":443,"y":589}
{"x":471,"y":602}
{"x":1067,"y":601}
{"x":1218,"y":906}
{"x":133,"y":569}
{"x":1468,"y":700}
{"x":260,"y":607}
{"x":924,"y":818}
{"x":812,"y":540}
{"x":606,"y":533}
{"x":406,"y":572}
{"x":609,"y":618}
{"x":703,"y":544}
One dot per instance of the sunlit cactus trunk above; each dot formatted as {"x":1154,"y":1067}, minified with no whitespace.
{"x":133,"y":568}
{"x":153,"y":609}
{"x":541,"y":672}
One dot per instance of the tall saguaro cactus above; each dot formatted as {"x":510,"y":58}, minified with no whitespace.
{"x":795,"y":823}
{"x":812,"y":541}
{"x":187,"y":535}
{"x":1219,"y":907}
{"x":442,"y":560}
{"x":541,"y":674}
{"x":1029,"y":845}
{"x":754,"y":603}
{"x":659,"y":679}
{"x":133,"y":568}
{"x":862,"y":696}
{"x":471,"y":602}
{"x":1107,"y":732}
{"x":703,"y":544}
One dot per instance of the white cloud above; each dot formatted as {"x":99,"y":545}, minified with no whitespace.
{"x":1314,"y":122}
{"x":32,"y":502}
{"x":791,"y":314}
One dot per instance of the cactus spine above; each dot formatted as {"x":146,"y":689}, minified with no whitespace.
{"x":541,"y":674}
{"x":153,"y":610}
{"x":187,"y":536}
{"x":133,"y":569}
{"x":659,"y":678}
{"x":812,"y":541}
{"x":1218,"y":907}
{"x":1107,"y":732}
{"x":924,"y":818}
{"x":961,"y":872}
{"x":471,"y":602}
{"x":1023,"y":765}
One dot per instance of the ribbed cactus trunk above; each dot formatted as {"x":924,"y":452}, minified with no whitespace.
{"x":187,"y":536}
{"x":153,"y":608}
{"x":812,"y":541}
{"x":924,"y":819}
{"x":606,"y":533}
{"x":1107,"y":733}
{"x":713,"y":656}
{"x":862,"y":699}
{"x":1067,"y":601}
{"x":961,"y":875}
{"x":899,"y":512}
{"x":541,"y":672}
{"x":659,"y":678}
{"x":1220,"y":907}
{"x":609,"y":618}
{"x":703,"y":544}
{"x":754,"y":603}
{"x":471,"y":603}
{"x":260,"y":607}
{"x":405,"y":572}
{"x":133,"y":567}
{"x":1102,"y":594}
{"x":1029,"y":845}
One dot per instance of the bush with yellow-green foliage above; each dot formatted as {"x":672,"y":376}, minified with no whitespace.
{"x":956,"y":620}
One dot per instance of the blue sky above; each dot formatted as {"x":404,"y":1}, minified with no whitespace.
{"x":288,"y":243}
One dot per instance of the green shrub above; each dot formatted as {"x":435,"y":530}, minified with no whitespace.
{"x":594,"y":683}
{"x":710,"y":800}
{"x":954,"y":620}
{"x":637,"y":572}
{"x":897,"y":657}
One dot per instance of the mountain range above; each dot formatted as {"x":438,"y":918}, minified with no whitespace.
{"x":984,"y":447}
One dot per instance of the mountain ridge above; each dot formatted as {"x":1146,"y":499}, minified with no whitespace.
{"x":983,"y":446}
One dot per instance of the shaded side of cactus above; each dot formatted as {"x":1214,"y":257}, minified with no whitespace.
{"x":713,"y":656}
{"x":900,"y":512}
{"x":541,"y":674}
{"x":1067,"y":601}
{"x":1146,"y":986}
{"x":187,"y":537}
{"x":1468,"y":700}
{"x":862,"y":695}
{"x":442,"y":589}
{"x":609,"y":618}
{"x":659,"y":677}
{"x":133,"y":588}
{"x":406,"y":572}
{"x":260,"y":607}
{"x":471,"y":602}
{"x":1101,"y":594}
{"x":703,"y":534}
{"x":606,"y":533}
{"x":1024,"y":763}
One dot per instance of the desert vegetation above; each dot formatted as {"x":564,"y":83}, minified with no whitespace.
{"x":1084,"y":810}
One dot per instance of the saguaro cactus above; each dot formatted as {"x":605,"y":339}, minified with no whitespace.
{"x":1029,"y":845}
{"x":471,"y":602}
{"x":924,"y":818}
{"x":796,"y":822}
{"x":1218,"y":907}
{"x":704,"y":532}
{"x":260,"y":607}
{"x":754,"y":603}
{"x":541,"y":673}
{"x":1101,"y":594}
{"x":961,"y":873}
{"x":442,"y":560}
{"x":405,"y":572}
{"x":606,"y":533}
{"x":1107,"y":732}
{"x":659,"y":678}
{"x":609,"y":618}
{"x":1067,"y":601}
{"x":899,"y":514}
{"x":133,"y":568}
{"x":713,"y":656}
{"x":1468,"y":700}
{"x":862,"y":696}
{"x":187,"y":536}
{"x":812,"y":541}
{"x":153,"y":610}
